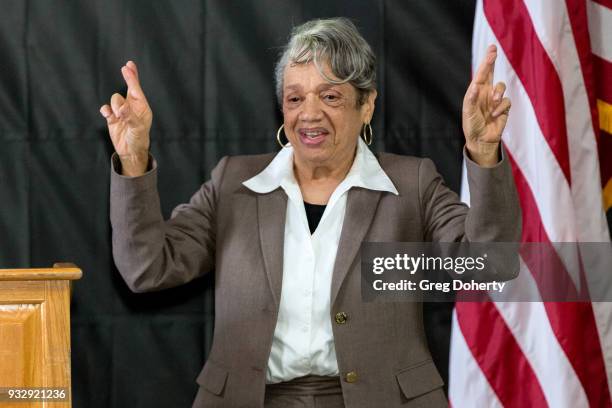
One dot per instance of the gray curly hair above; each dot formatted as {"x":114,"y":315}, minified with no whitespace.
{"x":337,"y":42}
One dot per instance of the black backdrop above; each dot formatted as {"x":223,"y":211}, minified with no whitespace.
{"x":206,"y":67}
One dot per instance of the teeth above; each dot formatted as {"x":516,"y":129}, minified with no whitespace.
{"x":312,"y":134}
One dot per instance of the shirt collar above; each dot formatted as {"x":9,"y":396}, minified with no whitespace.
{"x":365,"y":172}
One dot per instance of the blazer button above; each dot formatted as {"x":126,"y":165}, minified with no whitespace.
{"x":351,"y":377}
{"x":341,"y":317}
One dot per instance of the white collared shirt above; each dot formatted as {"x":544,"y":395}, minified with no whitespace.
{"x":303,"y":341}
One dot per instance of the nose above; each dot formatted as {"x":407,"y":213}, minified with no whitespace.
{"x":311,"y":109}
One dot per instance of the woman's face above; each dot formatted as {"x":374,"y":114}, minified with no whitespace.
{"x":322,"y":120}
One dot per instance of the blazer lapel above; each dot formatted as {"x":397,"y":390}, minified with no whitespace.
{"x":360,"y":209}
{"x":271,"y":212}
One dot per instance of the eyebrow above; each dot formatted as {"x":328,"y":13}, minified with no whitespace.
{"x":321,"y":87}
{"x":293,"y":87}
{"x":326,"y":86}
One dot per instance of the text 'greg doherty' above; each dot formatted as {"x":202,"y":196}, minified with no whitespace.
{"x":428,"y":286}
{"x":412,"y":264}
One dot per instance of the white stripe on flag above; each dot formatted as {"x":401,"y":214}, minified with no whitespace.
{"x":600,"y":21}
{"x":550,"y":364}
{"x":467,"y":387}
{"x":555,"y":33}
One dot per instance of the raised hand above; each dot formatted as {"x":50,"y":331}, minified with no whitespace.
{"x":129,"y":122}
{"x":485,"y":112}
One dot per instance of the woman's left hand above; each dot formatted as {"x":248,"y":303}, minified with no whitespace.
{"x":485,"y":113}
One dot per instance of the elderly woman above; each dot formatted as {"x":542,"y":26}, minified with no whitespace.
{"x":282,"y":232}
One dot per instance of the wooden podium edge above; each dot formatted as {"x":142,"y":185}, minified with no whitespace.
{"x":60,"y":271}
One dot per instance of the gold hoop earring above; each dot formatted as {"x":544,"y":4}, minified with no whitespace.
{"x":280,"y":129}
{"x":367,"y":135}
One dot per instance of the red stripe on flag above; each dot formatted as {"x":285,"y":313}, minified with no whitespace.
{"x":510,"y":21}
{"x":602,"y":70}
{"x":575,"y":327}
{"x":577,"y":13}
{"x":573,"y":323}
{"x":499,"y":356}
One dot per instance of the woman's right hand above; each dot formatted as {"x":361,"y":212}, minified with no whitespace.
{"x":129,"y":122}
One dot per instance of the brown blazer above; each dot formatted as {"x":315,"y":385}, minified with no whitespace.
{"x":239,"y":234}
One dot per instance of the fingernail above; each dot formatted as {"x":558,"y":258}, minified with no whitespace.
{"x":496,"y":96}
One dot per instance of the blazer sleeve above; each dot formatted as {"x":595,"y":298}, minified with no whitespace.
{"x":494,"y":214}
{"x":153,"y":254}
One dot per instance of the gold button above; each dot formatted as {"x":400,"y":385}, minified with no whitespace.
{"x":341,"y":317}
{"x":351,"y":377}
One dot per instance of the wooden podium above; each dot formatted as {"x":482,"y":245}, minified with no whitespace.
{"x":35,"y":336}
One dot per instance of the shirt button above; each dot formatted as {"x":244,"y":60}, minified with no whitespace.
{"x":351,"y":377}
{"x":341,"y":317}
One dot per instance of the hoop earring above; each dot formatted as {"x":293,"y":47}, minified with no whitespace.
{"x":278,"y":132}
{"x":367,"y":135}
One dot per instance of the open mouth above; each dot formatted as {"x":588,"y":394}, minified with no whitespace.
{"x":312,"y":137}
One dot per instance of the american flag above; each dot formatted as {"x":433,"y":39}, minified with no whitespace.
{"x":555,"y":57}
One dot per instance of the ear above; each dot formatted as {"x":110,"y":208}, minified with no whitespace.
{"x":367,"y":109}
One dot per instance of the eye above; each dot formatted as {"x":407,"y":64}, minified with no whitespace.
{"x":332,"y":98}
{"x":293,"y":99}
